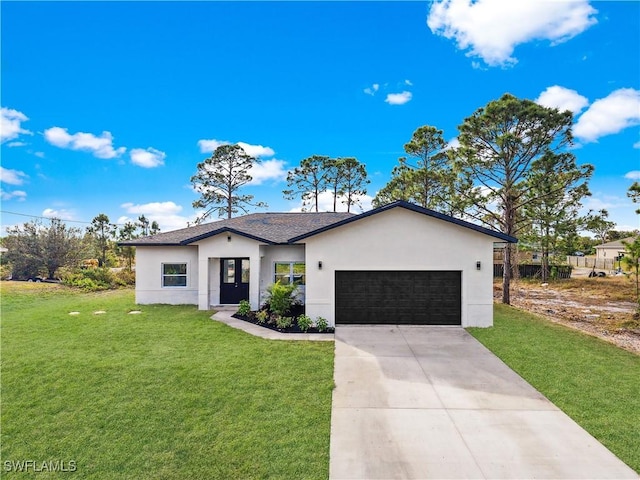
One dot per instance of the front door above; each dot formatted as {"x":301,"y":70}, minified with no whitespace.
{"x":234,"y":280}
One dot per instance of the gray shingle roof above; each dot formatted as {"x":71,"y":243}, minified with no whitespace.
{"x":270,"y":228}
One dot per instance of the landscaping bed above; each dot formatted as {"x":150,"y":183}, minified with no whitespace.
{"x":293,"y":321}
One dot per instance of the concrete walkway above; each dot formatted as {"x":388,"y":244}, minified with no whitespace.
{"x":433,"y":403}
{"x":225,"y":316}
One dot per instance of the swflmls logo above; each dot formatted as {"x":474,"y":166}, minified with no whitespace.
{"x":35,"y":466}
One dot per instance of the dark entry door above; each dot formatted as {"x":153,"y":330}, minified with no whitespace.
{"x":398,"y":297}
{"x":234,"y":280}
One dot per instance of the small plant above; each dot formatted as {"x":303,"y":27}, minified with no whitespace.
{"x":304,"y":322}
{"x":280,"y":297}
{"x":262,"y":316}
{"x":321,"y":324}
{"x":284,"y":322}
{"x":244,"y":308}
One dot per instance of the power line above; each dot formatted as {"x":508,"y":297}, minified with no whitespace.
{"x":50,"y":218}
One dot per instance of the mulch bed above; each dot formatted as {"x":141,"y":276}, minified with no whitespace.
{"x":272,"y":326}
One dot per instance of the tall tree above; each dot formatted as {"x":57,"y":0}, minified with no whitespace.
{"x":498,"y":145}
{"x":333,"y":173}
{"x":554,"y":190}
{"x":353,"y":181}
{"x":631,"y":260}
{"x":61,"y":246}
{"x":147,"y":228}
{"x":434,"y":173}
{"x":219,"y":179}
{"x":597,"y":223}
{"x":400,"y":187}
{"x":430,"y":180}
{"x":35,"y":248}
{"x":128,"y":232}
{"x":308,"y":181}
{"x":634,"y":194}
{"x":102,"y":231}
{"x":24,"y":250}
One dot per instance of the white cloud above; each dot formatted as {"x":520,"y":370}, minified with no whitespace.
{"x":607,"y":202}
{"x":325,"y":204}
{"x":61,"y":214}
{"x":563,"y":99}
{"x":167,"y":214}
{"x":100,"y":147}
{"x":408,"y":82}
{"x":148,"y":158}
{"x":372,"y":89}
{"x":153,"y":208}
{"x":637,"y":144}
{"x":453,"y":143}
{"x":256,"y":150}
{"x":10,"y":127}
{"x":209,"y":146}
{"x":12,"y":177}
{"x":617,"y":111}
{"x":398,"y":98}
{"x":16,"y":194}
{"x":491,"y":29}
{"x":16,"y":144}
{"x":633,"y":175}
{"x":267,"y":170}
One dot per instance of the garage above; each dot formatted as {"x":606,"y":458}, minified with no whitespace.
{"x":398,"y":297}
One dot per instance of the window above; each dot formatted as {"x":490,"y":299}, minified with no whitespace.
{"x":290,"y":272}
{"x":174,"y":274}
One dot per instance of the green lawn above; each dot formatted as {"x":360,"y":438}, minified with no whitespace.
{"x":595,"y":383}
{"x":164,"y":394}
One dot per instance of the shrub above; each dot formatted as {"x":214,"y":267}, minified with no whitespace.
{"x":90,"y":279}
{"x":321,"y":324}
{"x":244,"y":308}
{"x":125,"y":277}
{"x":262,"y":316}
{"x":280,"y":297}
{"x":284,"y":322}
{"x":304,"y":322}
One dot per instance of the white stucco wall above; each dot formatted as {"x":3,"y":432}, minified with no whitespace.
{"x":270,"y":254}
{"x":149,"y":287}
{"x":399,"y":239}
{"x":211,"y":250}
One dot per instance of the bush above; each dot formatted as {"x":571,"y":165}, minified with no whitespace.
{"x":262,"y":316}
{"x":321,"y":324}
{"x":125,"y":277}
{"x":304,"y":323}
{"x":244,"y":308}
{"x":91,"y":279}
{"x":284,"y":322}
{"x":280,"y":297}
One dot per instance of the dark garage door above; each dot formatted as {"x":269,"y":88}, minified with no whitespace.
{"x":405,"y":297}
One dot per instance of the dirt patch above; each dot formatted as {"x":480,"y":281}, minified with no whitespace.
{"x":598,"y":306}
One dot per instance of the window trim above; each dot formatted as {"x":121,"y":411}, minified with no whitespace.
{"x":291,"y":263}
{"x":174,"y":275}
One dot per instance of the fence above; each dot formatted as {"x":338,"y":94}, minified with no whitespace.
{"x":535,"y":271}
{"x":592,"y":262}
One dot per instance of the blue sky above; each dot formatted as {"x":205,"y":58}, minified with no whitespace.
{"x":108,"y":107}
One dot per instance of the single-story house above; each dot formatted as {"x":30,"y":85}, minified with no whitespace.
{"x":397,"y":264}
{"x":612,"y":250}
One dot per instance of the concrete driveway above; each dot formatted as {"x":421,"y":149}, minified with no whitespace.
{"x":433,"y":403}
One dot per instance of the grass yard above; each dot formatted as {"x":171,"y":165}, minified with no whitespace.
{"x":164,"y":394}
{"x":594,"y":382}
